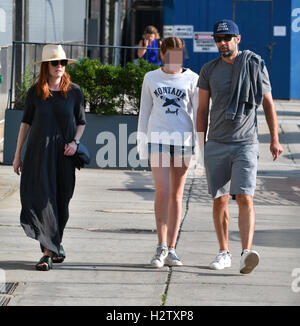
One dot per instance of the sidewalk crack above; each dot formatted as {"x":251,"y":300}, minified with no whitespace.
{"x":170,"y":270}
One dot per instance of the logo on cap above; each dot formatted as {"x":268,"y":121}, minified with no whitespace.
{"x":222,"y":27}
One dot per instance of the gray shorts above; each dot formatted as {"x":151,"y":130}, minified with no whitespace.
{"x":230,"y":168}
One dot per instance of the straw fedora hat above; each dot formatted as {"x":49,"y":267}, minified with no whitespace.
{"x":52,"y":52}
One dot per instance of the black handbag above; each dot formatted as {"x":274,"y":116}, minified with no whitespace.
{"x":81,"y":157}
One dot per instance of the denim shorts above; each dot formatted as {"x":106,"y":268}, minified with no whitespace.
{"x":230,"y":168}
{"x":173,"y":150}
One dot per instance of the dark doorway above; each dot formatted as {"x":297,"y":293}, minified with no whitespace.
{"x":145,"y":15}
{"x":141,"y":13}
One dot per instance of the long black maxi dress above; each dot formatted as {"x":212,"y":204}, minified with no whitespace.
{"x":48,"y":176}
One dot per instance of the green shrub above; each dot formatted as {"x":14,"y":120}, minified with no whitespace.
{"x":83,"y":73}
{"x":132,"y":77}
{"x":105,"y":86}
{"x":98,"y":84}
{"x":21,"y":90}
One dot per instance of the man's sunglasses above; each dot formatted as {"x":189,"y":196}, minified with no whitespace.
{"x":55,"y":63}
{"x":226,"y":38}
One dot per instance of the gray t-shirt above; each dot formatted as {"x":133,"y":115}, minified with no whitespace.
{"x":216,"y":76}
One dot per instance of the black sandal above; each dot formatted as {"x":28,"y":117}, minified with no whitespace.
{"x":44,"y":260}
{"x":58,"y":259}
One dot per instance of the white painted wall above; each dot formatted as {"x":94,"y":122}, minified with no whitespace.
{"x":49,"y":20}
{"x":6,"y":9}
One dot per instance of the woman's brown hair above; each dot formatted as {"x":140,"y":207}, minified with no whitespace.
{"x":42,"y":82}
{"x":151,"y":30}
{"x":172,"y":43}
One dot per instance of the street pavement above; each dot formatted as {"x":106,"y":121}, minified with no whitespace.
{"x":110,"y":239}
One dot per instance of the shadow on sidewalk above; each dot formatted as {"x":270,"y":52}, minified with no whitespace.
{"x":30,"y":266}
{"x":18,"y":265}
{"x":275,"y":188}
{"x":292,"y":157}
{"x":283,"y":238}
{"x":213,"y":273}
{"x":286,"y":138}
{"x":105,"y":267}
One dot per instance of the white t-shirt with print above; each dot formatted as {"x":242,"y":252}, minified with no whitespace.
{"x":168,"y":110}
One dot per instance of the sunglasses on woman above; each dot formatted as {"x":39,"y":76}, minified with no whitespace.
{"x":55,"y":63}
{"x":226,"y":38}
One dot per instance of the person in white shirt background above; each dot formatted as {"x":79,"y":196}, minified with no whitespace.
{"x":166,"y":135}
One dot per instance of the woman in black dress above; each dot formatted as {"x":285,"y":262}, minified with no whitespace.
{"x":54,"y":115}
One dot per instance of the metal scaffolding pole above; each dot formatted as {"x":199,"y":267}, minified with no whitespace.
{"x":117,"y":31}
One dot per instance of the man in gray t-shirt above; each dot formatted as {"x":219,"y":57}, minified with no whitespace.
{"x":216,"y":77}
{"x":237,"y":83}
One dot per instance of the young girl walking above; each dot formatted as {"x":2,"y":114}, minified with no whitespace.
{"x":166,"y":135}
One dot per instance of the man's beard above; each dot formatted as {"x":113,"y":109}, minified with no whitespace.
{"x":227,"y":54}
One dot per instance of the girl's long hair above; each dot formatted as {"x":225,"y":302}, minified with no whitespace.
{"x":42,"y":86}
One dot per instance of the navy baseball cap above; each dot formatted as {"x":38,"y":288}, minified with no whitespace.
{"x":226,"y":26}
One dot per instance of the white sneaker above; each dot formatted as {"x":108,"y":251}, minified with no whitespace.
{"x":172,"y":258}
{"x":249,"y":261}
{"x":222,"y":260}
{"x":159,"y":258}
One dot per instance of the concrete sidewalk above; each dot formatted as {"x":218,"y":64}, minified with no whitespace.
{"x":110,"y":239}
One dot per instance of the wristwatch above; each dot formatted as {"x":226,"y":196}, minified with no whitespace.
{"x":77,"y":142}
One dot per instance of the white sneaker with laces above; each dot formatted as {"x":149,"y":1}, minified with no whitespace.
{"x":172,"y":258}
{"x":222,"y":260}
{"x":249,"y":261}
{"x":159,"y":258}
